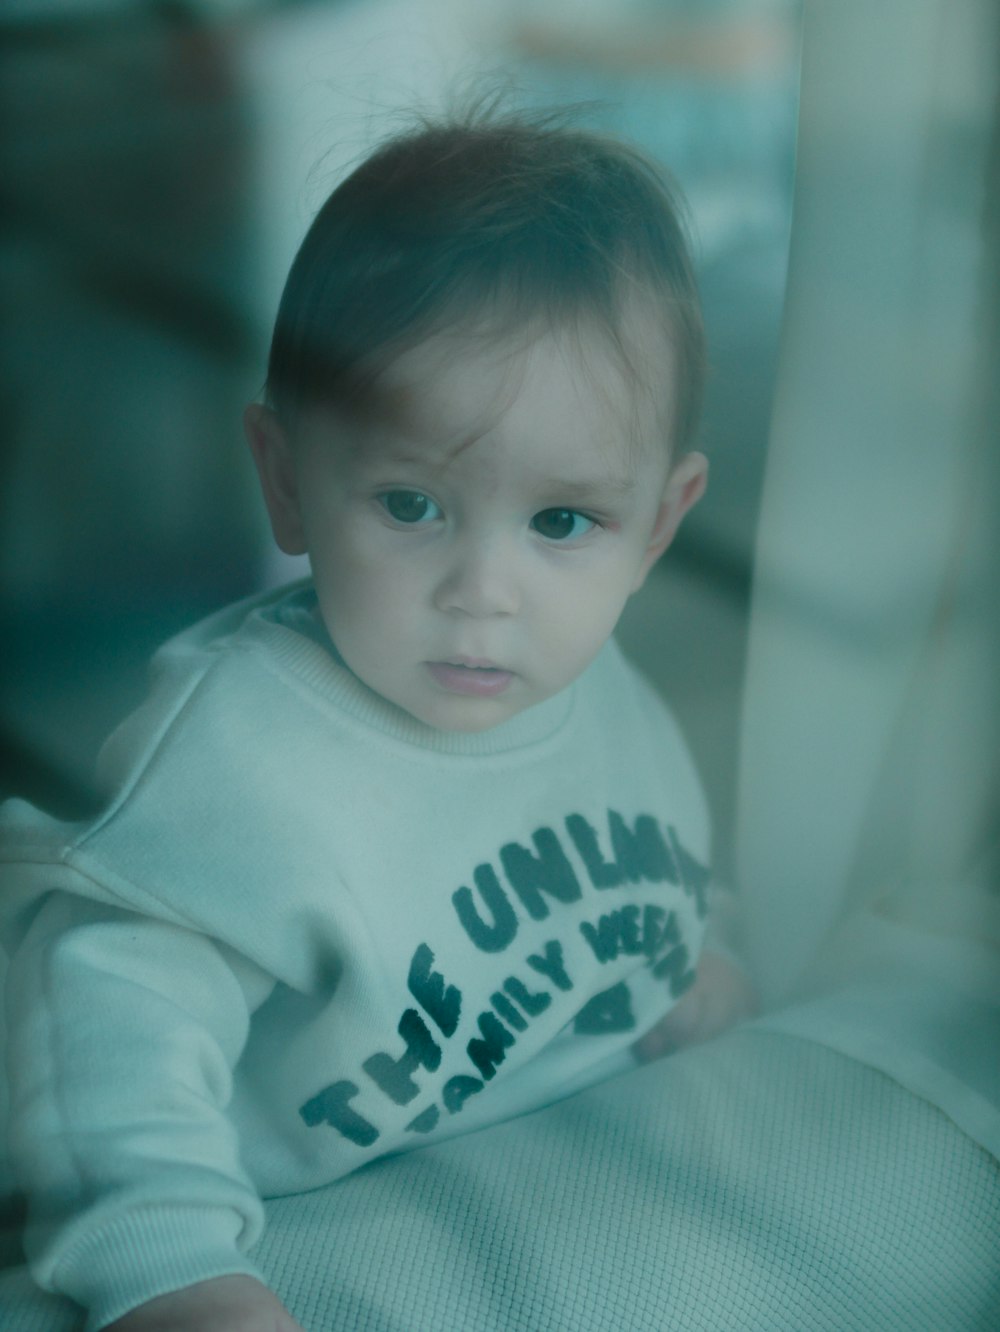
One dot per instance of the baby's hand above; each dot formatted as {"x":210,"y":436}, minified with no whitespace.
{"x":225,"y":1304}
{"x":720,"y":996}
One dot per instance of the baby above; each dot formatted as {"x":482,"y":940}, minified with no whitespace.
{"x":408,"y":848}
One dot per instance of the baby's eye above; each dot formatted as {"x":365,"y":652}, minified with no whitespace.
{"x":409,"y":506}
{"x":562,"y":524}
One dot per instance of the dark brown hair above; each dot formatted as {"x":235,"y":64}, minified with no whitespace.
{"x":507,"y":218}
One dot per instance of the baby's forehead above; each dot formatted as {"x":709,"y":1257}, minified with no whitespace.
{"x":441,"y":394}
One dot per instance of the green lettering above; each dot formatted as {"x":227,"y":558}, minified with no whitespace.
{"x":457,"y":1090}
{"x":487,"y":1054}
{"x":488,"y":938}
{"x":533,"y":1004}
{"x":331,"y":1107}
{"x":442,"y":1003}
{"x":394,"y":1075}
{"x":641,"y":852}
{"x":551,"y":965}
{"x":548,"y":872}
{"x":603,"y":874}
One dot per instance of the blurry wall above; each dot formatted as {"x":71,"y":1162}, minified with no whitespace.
{"x":870,"y":777}
{"x":126,"y":254}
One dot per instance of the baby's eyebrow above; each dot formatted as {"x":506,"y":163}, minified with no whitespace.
{"x":581,"y":490}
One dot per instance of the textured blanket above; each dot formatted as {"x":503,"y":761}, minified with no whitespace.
{"x":762,"y":1182}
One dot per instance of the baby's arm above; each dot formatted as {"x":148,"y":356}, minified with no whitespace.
{"x":720,"y":997}
{"x":123,"y":1034}
{"x":722,"y":993}
{"x":226,"y":1304}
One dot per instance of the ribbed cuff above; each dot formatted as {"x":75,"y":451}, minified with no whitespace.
{"x":144,"y":1254}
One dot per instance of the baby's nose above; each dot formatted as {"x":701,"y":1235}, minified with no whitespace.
{"x":481,"y":582}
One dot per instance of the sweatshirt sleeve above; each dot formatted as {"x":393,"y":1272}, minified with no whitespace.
{"x":723,"y":933}
{"x":124,"y":1031}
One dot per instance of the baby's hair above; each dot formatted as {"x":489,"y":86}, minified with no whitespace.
{"x":488,"y":217}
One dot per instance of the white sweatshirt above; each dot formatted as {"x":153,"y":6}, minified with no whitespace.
{"x":308,"y":930}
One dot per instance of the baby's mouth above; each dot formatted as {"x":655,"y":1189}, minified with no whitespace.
{"x":465,"y":675}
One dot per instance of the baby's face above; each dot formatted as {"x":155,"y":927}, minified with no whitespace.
{"x":473,"y":546}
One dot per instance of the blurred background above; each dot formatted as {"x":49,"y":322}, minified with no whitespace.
{"x":160,"y":162}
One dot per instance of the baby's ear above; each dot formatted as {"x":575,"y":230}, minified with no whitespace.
{"x":685,"y":487}
{"x":275,"y":460}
